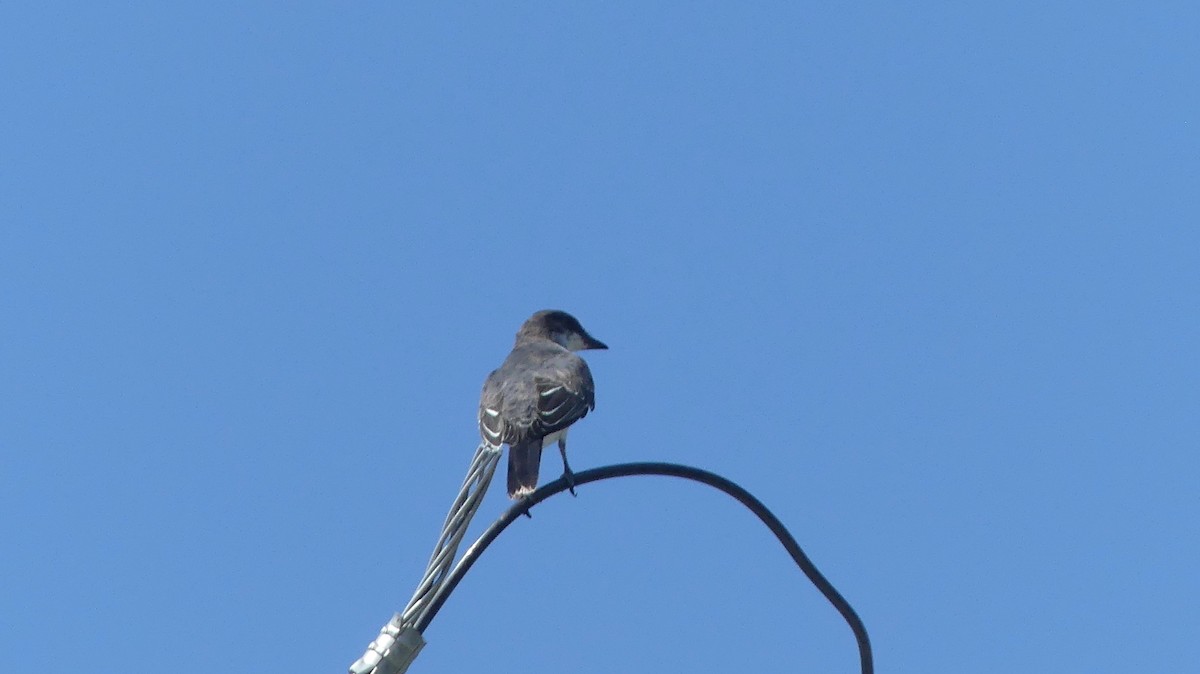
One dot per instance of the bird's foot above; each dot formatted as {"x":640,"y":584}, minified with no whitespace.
{"x":568,"y":474}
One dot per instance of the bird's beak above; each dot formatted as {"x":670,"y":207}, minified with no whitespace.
{"x":593,"y":343}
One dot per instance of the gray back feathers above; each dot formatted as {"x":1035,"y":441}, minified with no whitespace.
{"x":540,"y":389}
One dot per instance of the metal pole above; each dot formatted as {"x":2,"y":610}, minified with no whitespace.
{"x":411,"y":633}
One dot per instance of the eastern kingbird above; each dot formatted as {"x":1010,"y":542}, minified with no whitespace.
{"x":539,"y":390}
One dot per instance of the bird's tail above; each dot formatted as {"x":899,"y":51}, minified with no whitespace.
{"x":524,"y":459}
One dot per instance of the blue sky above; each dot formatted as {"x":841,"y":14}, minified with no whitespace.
{"x":924,"y":279}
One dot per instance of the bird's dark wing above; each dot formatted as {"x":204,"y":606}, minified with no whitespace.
{"x":492,"y":428}
{"x":565,"y":394}
{"x":560,"y":406}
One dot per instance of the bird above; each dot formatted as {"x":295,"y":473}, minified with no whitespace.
{"x":531,"y":400}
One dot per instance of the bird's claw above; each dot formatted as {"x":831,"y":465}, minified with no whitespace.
{"x":568,"y":474}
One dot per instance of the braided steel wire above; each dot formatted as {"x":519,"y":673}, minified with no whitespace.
{"x":399,"y":641}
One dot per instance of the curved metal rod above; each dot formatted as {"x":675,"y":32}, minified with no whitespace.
{"x":672,"y":470}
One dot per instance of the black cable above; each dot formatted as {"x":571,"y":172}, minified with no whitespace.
{"x":673,"y":470}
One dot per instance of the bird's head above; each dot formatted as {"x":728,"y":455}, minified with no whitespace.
{"x":559,"y":327}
